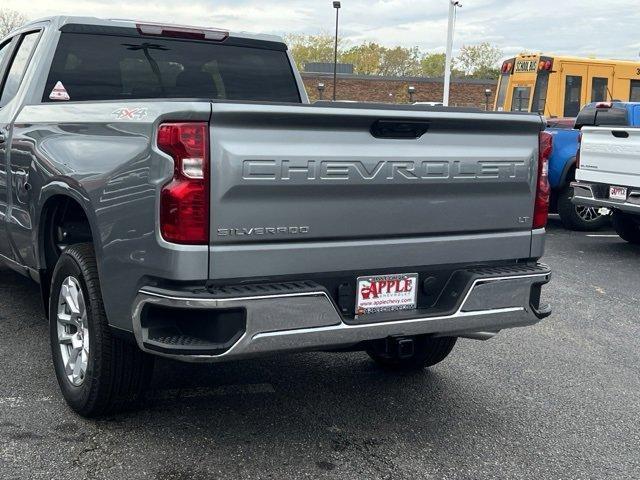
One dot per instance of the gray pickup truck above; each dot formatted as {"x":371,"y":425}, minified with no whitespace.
{"x":175,"y":194}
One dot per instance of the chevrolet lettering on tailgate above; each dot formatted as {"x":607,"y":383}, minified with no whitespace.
{"x":312,"y":170}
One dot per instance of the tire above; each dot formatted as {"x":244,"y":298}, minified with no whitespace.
{"x":109,"y":374}
{"x":627,"y":226}
{"x":581,"y":219}
{"x":428,"y":351}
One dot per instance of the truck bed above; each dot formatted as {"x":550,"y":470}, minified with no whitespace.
{"x":610,"y":155}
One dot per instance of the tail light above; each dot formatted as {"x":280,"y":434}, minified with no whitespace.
{"x":545,"y":65}
{"x":578,"y":151}
{"x":184,"y":202}
{"x":543,"y":190}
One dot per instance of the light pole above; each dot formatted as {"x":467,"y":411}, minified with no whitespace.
{"x":337,"y":6}
{"x":321,"y":88}
{"x":411,"y":90}
{"x":453,"y":4}
{"x":487,"y":94}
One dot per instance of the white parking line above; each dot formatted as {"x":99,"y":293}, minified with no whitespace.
{"x":603,"y":236}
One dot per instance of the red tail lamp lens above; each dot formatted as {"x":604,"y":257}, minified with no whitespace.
{"x":543,"y":190}
{"x":184,"y":202}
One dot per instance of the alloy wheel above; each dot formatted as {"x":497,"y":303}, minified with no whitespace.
{"x":73,"y":331}
{"x":588,"y":214}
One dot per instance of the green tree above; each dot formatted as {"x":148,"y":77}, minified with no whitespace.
{"x":366,"y":58}
{"x":479,"y":61}
{"x":312,"y":48}
{"x":400,"y":62}
{"x":432,"y":65}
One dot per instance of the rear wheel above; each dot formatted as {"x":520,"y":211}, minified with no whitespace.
{"x":627,"y":226}
{"x":426,"y":352}
{"x":579,"y":218}
{"x":98,"y":373}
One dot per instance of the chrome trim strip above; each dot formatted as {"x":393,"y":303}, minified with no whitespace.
{"x":363,"y":326}
{"x":214,"y":301}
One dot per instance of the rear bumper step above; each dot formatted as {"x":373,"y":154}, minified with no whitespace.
{"x":258,"y":320}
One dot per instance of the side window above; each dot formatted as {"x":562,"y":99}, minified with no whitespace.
{"x":502,"y":92}
{"x":18,"y":67}
{"x":540,"y":94}
{"x":572,"y":93}
{"x":4,"y":49}
{"x":599,"y":88}
{"x":634,"y":92}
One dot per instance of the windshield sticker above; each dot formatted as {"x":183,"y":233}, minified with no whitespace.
{"x":59,"y":92}
{"x":125,"y":113}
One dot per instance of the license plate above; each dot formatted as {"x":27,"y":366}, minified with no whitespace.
{"x":386,"y":293}
{"x":618,"y":193}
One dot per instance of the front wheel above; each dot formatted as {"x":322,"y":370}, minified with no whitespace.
{"x":577,"y":217}
{"x":627,"y":226}
{"x":97,"y":372}
{"x":426,"y":352}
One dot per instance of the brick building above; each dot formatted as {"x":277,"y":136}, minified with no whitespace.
{"x":465,"y":92}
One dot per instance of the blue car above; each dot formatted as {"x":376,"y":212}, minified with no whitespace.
{"x":562,"y":164}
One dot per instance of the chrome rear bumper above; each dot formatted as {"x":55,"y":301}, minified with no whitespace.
{"x":596,"y":195}
{"x":310,"y":320}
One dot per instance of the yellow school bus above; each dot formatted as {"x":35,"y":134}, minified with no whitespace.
{"x":560,"y":86}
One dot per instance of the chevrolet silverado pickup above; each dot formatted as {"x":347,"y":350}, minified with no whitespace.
{"x":175,"y":194}
{"x":609,"y":168}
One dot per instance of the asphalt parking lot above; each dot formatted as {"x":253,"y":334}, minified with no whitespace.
{"x":560,"y":400}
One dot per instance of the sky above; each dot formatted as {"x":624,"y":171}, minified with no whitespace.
{"x":599,"y":28}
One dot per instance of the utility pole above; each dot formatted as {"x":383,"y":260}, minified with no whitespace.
{"x":453,"y":4}
{"x":336,"y":5}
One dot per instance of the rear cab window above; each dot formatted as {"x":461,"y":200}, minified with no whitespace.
{"x":124,"y":66}
{"x":615,"y":116}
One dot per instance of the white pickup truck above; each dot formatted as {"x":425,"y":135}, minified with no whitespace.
{"x":608,"y":173}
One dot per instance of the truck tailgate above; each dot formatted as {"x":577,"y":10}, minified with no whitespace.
{"x":297,"y":188}
{"x":610,"y":155}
